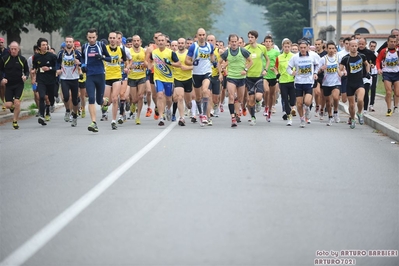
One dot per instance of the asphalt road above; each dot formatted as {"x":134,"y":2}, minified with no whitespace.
{"x":144,"y":195}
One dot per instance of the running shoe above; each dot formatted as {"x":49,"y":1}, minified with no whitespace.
{"x":83,"y":113}
{"x":138,"y":122}
{"x":330,"y":121}
{"x":215,"y":110}
{"x":321,"y":115}
{"x":266,"y":111}
{"x":156,"y":114}
{"x":371,"y":108}
{"x":52,"y":109}
{"x":253,"y":121}
{"x":203,"y":119}
{"x":303,"y":123}
{"x":273,"y":109}
{"x":349,"y":121}
{"x":221,"y":108}
{"x":173,"y":118}
{"x":120,"y":120}
{"x":395,"y":110}
{"x":127,"y":107}
{"x":258,"y":107}
{"x":113,"y":125}
{"x":360,"y":118}
{"x":289,"y":120}
{"x":238,"y":119}
{"x":285,"y":116}
{"x":74,"y":122}
{"x":233,"y":122}
{"x":48,"y":117}
{"x":389,"y":112}
{"x":244,"y":112}
{"x":104,"y":117}
{"x":193,"y":119}
{"x":66,"y":116}
{"x":12,"y":108}
{"x":307,"y":113}
{"x":149,"y":111}
{"x":93,"y":127}
{"x":161,"y":123}
{"x":293,"y":112}
{"x":353,"y":123}
{"x":316,"y":112}
{"x":15,"y":124}
{"x":269,"y":117}
{"x":336,"y":118}
{"x":182,"y":122}
{"x":210,"y":123}
{"x":41,"y":121}
{"x":133,"y":108}
{"x":168,"y":115}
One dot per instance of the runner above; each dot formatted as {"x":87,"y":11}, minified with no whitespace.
{"x":388,"y":67}
{"x":214,"y":86}
{"x":3,"y":51}
{"x":354,"y":62}
{"x":163,"y":59}
{"x":137,"y":76}
{"x":14,"y":71}
{"x":44,"y":63}
{"x":329,"y":64}
{"x":240,"y":61}
{"x":254,"y":78}
{"x":200,"y":55}
{"x":304,"y":66}
{"x":93,"y":54}
{"x":68,"y":62}
{"x":317,"y":86}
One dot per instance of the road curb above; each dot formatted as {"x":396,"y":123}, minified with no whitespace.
{"x":10,"y":116}
{"x":375,"y":123}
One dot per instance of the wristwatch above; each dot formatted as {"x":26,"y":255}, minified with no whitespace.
{"x":246,"y":69}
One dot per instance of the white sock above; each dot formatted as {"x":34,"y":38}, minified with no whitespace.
{"x":193,"y":107}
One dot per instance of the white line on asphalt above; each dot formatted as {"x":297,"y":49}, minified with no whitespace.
{"x":41,"y":238}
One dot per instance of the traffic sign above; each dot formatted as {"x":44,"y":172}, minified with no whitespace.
{"x":308,"y":32}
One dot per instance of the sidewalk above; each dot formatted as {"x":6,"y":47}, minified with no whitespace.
{"x":388,"y":125}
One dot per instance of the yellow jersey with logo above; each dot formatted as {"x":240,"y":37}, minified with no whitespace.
{"x":138,"y":69}
{"x":178,"y":73}
{"x":162,"y":71}
{"x":113,"y":68}
{"x":215,"y":70}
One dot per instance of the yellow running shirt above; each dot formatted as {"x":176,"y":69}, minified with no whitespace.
{"x":178,"y":73}
{"x":162,"y":71}
{"x":113,"y":68}
{"x":138,"y":68}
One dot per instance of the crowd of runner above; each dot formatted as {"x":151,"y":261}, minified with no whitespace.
{"x":195,"y":78}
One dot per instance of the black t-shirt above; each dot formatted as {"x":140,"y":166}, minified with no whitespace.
{"x":49,"y":60}
{"x":12,"y":68}
{"x":370,"y":57}
{"x":354,"y":67}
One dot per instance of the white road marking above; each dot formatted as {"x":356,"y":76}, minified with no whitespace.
{"x":41,"y":238}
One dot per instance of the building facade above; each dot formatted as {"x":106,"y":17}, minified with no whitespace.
{"x":372,"y":18}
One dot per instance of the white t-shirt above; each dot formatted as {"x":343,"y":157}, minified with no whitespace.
{"x":331,"y":77}
{"x":306,"y":66}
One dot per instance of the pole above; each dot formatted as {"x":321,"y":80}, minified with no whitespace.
{"x":339,"y":20}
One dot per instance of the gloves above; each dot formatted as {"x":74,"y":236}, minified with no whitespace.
{"x":98,"y":56}
{"x":215,"y":64}
{"x":81,"y":76}
{"x":278,"y":76}
{"x":167,"y":61}
{"x":84,"y":68}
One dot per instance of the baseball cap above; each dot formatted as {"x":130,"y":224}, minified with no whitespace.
{"x":63,"y":45}
{"x":76,"y":44}
{"x":1,"y":39}
{"x":123,"y":40}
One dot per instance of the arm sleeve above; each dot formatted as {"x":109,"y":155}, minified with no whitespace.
{"x":379,"y":60}
{"x":174,"y":57}
{"x":105,"y":53}
{"x":78,"y":56}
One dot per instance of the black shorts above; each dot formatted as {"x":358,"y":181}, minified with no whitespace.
{"x":319,"y":80}
{"x":237,"y":82}
{"x":302,"y":89}
{"x":152,"y":78}
{"x":187,"y":85}
{"x":224,"y":82}
{"x":135,"y":82}
{"x":109,"y":82}
{"x":82,"y":85}
{"x":272,"y":82}
{"x":69,"y":84}
{"x":352,"y":87}
{"x":327,"y":90}
{"x":198,"y":79}
{"x":254,"y":85}
{"x":14,"y":91}
{"x":214,"y":86}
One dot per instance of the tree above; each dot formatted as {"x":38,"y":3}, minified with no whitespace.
{"x":285,"y":17}
{"x":182,"y":18}
{"x":46,"y":15}
{"x":128,"y":16}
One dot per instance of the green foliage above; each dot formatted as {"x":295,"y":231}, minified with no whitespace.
{"x":46,"y":15}
{"x":286,"y":17}
{"x":128,"y":16}
{"x":176,"y":18}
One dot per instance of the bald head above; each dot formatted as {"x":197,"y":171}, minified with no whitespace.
{"x":201,"y":35}
{"x":14,"y":48}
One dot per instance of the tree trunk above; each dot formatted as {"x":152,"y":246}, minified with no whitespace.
{"x":13,"y":36}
